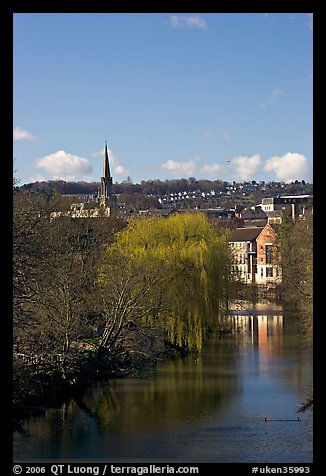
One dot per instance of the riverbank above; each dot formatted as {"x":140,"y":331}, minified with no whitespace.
{"x":38,"y":386}
{"x":204,"y":407}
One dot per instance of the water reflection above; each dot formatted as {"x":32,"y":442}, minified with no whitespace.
{"x":192,"y":409}
{"x":278,"y":347}
{"x":180,"y":393}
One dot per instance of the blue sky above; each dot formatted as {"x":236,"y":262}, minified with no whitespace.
{"x":217,"y":95}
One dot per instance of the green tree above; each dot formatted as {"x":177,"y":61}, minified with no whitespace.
{"x":183,"y":267}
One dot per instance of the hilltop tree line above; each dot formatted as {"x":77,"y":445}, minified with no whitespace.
{"x":156,"y":194}
{"x":160,"y":187}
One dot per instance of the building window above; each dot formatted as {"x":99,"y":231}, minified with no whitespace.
{"x":262,"y":272}
{"x":269,"y":272}
{"x":269,"y":254}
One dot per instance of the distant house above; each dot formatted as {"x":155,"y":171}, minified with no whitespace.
{"x":253,"y":216}
{"x":279,"y":216}
{"x":166,"y":212}
{"x":219,"y":213}
{"x":254,"y":255}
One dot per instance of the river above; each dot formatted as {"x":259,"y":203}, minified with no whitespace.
{"x":210,"y":407}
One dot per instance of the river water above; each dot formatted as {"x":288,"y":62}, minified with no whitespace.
{"x":205,"y":408}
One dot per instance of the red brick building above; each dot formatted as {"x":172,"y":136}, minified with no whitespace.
{"x":254,"y":255}
{"x":268,"y":258}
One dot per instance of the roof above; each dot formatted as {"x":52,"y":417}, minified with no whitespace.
{"x":276,"y":213}
{"x":296,"y":196}
{"x":246,"y":234}
{"x":250,"y":214}
{"x":254,"y":223}
{"x":165,"y":211}
{"x":106,"y":166}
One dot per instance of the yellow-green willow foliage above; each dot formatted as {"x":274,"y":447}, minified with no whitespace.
{"x":186,"y":263}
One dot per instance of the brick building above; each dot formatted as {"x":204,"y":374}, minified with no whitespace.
{"x":254,"y":255}
{"x":268,"y":258}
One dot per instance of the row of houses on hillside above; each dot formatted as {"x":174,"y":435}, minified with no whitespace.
{"x":271,"y":210}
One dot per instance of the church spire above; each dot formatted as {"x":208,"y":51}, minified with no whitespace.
{"x":107,"y":199}
{"x":106,"y":179}
{"x":106,"y":167}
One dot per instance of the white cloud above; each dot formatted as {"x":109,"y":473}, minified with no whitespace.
{"x":211,"y":169}
{"x":120,"y":170}
{"x":21,"y":134}
{"x":98,"y":153}
{"x":115,"y":164}
{"x":65,"y":166}
{"x":289,"y":167}
{"x":245,"y":167}
{"x":187,"y":168}
{"x":189,"y":21}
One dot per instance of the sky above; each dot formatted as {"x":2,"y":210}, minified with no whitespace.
{"x":218,"y":96}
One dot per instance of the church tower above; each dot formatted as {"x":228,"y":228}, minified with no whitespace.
{"x":107,"y":200}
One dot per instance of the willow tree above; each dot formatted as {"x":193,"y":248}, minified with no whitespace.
{"x":165,"y":271}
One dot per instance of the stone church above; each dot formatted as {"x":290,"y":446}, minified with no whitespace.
{"x":106,"y":201}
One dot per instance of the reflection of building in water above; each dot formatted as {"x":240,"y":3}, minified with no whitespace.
{"x":263,"y":331}
{"x":276,"y":346}
{"x":267,"y":327}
